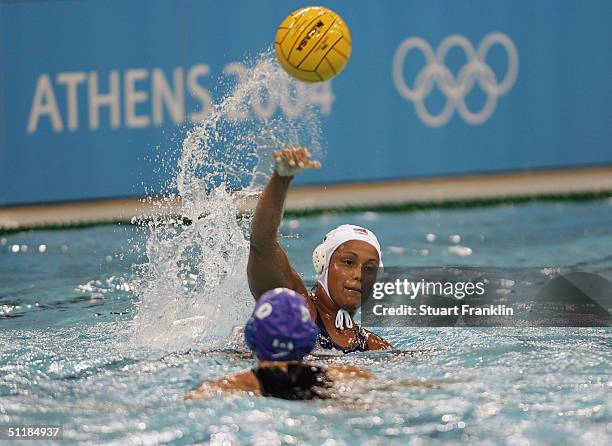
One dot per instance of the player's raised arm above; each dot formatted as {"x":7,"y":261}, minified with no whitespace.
{"x":268,"y":265}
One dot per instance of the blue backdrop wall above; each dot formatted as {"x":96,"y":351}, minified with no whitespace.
{"x":90,"y":90}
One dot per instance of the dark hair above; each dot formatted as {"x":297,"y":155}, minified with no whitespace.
{"x":300,"y":382}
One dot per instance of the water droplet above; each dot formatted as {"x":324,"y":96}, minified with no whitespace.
{"x":42,"y":248}
{"x":455,"y":238}
{"x":430,"y":237}
{"x":462,"y":251}
{"x":64,"y":248}
{"x":14,"y":248}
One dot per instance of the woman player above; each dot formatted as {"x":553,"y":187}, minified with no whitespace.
{"x":345,"y":263}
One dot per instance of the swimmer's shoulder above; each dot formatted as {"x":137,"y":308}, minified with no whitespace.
{"x":375,"y":342}
{"x":241,"y":382}
{"x":244,"y":381}
{"x":344,"y":372}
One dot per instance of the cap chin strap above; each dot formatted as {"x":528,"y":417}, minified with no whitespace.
{"x":343,"y":317}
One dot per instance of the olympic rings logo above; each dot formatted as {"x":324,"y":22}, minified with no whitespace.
{"x":435,"y":73}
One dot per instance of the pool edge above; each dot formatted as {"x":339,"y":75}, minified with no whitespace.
{"x":390,"y":196}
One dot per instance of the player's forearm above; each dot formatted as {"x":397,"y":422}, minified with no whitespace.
{"x":269,"y":212}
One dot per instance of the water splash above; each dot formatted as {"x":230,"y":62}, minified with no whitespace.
{"x":193,"y":288}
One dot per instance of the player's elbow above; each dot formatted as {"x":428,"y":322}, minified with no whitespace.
{"x":262,"y":241}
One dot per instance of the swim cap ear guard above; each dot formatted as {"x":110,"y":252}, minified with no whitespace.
{"x":249,"y":336}
{"x":318,"y":259}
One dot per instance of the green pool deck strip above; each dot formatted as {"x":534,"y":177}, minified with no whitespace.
{"x":465,"y":191}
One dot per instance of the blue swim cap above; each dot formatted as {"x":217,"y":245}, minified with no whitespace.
{"x":280,"y":328}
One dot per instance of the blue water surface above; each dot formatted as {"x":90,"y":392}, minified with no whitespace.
{"x":67,"y":301}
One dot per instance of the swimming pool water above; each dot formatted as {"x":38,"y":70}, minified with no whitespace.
{"x":67,"y":356}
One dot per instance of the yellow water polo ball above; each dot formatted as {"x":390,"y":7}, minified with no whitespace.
{"x":313,"y":44}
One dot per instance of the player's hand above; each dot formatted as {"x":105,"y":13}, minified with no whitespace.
{"x":293,"y":160}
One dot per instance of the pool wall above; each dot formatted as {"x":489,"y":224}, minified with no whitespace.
{"x":91,"y":92}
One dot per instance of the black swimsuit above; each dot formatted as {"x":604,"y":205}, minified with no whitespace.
{"x":326,"y":342}
{"x":300,"y":382}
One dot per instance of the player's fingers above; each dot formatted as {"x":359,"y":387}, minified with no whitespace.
{"x":291,"y":157}
{"x":299,"y":156}
{"x":305,"y":155}
{"x":288,"y":154}
{"x":313,"y":165}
